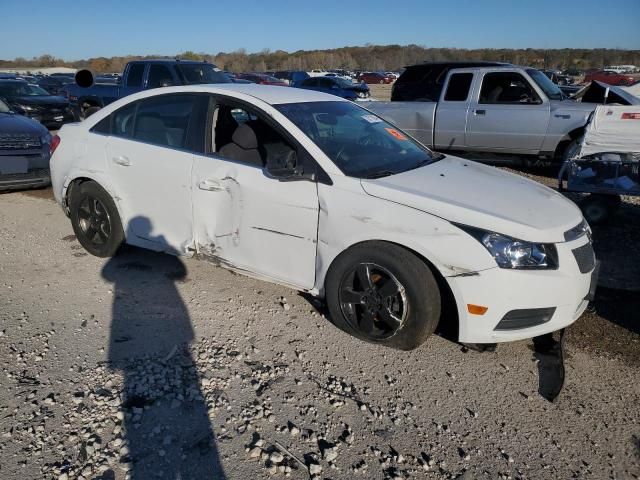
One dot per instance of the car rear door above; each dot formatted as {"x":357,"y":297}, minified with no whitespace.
{"x":245,"y":218}
{"x":150,"y":156}
{"x":507,"y":115}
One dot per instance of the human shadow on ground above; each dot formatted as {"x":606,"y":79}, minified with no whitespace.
{"x":165,"y":428}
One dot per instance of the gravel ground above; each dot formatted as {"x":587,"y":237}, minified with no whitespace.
{"x":149,"y":366}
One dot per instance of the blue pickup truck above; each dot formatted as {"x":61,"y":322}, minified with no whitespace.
{"x":87,"y":97}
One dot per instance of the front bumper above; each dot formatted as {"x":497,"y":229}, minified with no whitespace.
{"x":503,"y":291}
{"x":53,"y":120}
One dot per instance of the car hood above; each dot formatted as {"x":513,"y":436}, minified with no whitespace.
{"x":469,"y":193}
{"x":11,"y":123}
{"x":41,"y":100}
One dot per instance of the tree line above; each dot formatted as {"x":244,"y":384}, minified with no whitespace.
{"x":368,"y":57}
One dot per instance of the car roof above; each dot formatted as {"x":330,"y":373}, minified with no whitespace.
{"x":271,"y":94}
{"x":461,"y":64}
{"x":12,"y":80}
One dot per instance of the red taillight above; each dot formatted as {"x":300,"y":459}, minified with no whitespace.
{"x":55,"y":141}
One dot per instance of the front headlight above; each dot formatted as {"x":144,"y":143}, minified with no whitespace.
{"x":513,"y":253}
{"x":27,"y":108}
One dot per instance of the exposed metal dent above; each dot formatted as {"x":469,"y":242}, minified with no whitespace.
{"x":459,"y":271}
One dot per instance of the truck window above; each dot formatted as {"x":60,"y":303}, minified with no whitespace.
{"x":507,"y":88}
{"x":458,"y":88}
{"x":135,"y":74}
{"x":159,"y":76}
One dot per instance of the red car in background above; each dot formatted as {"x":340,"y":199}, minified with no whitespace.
{"x":262,"y":79}
{"x":374,"y":77}
{"x":611,"y":78}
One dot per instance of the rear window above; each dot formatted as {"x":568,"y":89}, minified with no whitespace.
{"x":164,"y":120}
{"x":458,"y":88}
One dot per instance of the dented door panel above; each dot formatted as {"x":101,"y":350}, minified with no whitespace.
{"x":248,"y":221}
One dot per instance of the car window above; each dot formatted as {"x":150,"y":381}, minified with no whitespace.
{"x":325,"y":82}
{"x":134,"y":77}
{"x":123,"y":120}
{"x":458,"y":88}
{"x":507,"y":88}
{"x":310,"y":82}
{"x":159,"y":76}
{"x":164,"y":120}
{"x":244,"y":136}
{"x":103,"y":126}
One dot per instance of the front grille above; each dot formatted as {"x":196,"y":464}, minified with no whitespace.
{"x":525,"y":318}
{"x":19,"y":141}
{"x":585,"y":257}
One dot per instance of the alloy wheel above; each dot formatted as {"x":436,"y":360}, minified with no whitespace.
{"x":94,"y":221}
{"x":373,"y":301}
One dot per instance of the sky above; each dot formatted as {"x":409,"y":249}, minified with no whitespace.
{"x":75,"y":29}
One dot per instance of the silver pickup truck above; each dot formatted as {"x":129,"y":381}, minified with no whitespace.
{"x":494,"y":109}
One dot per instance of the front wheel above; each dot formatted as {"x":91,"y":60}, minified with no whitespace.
{"x":381,"y":293}
{"x":95,"y":220}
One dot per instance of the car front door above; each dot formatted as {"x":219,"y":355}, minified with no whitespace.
{"x":508,"y":116}
{"x":243,"y":216}
{"x":150,"y":156}
{"x":451,"y":112}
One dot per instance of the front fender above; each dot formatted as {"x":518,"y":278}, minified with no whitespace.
{"x":450,"y":250}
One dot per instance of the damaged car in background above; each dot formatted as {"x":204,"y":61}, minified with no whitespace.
{"x":314,"y":192}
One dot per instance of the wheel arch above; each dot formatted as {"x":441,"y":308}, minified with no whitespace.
{"x":448,"y":323}
{"x":76,"y":181}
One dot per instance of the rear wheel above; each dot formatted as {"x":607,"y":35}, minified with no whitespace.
{"x":381,"y":293}
{"x":95,"y":220}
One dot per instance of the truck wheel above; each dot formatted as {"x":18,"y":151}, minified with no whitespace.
{"x":598,"y":208}
{"x":381,"y":293}
{"x":95,"y":220}
{"x":570,"y":150}
{"x":87,"y":112}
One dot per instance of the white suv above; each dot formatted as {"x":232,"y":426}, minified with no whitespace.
{"x":315,"y":192}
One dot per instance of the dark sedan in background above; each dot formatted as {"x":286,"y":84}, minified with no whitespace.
{"x":34,"y":102}
{"x":336,"y":86}
{"x":24,"y":151}
{"x":261,"y":79}
{"x":374,"y":77}
{"x":53,"y":85}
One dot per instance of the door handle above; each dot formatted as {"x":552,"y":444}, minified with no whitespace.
{"x":479,"y":112}
{"x":211,"y":186}
{"x":122,"y":160}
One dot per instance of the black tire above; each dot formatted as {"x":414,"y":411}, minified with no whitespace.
{"x":598,"y":208}
{"x":95,"y":220}
{"x":87,"y":112}
{"x":387,"y":267}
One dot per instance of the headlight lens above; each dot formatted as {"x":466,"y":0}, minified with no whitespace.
{"x":513,"y":253}
{"x":27,"y":108}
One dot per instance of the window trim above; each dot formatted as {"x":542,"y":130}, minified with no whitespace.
{"x":189,"y":148}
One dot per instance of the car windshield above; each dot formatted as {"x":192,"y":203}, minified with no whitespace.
{"x":344,"y":82}
{"x":20,"y":89}
{"x":550,"y":89}
{"x":4,"y":108}
{"x":196,"y":73}
{"x":359,"y":142}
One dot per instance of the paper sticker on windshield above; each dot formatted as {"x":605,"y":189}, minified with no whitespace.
{"x":371,"y":118}
{"x":396,"y":133}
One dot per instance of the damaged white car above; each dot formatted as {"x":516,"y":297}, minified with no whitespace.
{"x":317,"y":193}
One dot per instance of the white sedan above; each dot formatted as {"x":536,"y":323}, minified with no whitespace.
{"x":317,"y":193}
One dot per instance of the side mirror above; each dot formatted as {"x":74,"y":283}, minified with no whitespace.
{"x":284,"y":168}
